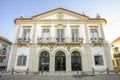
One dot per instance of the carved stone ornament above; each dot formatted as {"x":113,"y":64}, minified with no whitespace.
{"x":60,"y":15}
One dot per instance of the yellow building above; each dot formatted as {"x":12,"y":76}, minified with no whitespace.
{"x":60,"y":40}
{"x":115,"y":45}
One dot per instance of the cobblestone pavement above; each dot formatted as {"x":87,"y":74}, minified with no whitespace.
{"x":61,"y":77}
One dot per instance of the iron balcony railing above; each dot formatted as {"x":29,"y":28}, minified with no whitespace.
{"x":117,"y":55}
{"x":59,"y":40}
{"x":96,"y":40}
{"x":43,"y":40}
{"x":77,"y":40}
{"x":23,"y":40}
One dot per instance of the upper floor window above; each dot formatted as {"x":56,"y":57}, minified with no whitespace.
{"x":45,"y":35}
{"x":116,"y":49}
{"x":26,"y":33}
{"x":94,"y":33}
{"x":3,"y":49}
{"x":1,"y":60}
{"x":60,"y":35}
{"x":74,"y":35}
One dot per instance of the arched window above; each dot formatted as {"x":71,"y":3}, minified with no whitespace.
{"x":44,"y":61}
{"x":76,"y":63}
{"x":60,"y":61}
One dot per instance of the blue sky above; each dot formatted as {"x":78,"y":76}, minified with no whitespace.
{"x":108,"y":9}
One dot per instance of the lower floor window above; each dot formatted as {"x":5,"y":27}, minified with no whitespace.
{"x":21,"y":60}
{"x":1,"y":60}
{"x":98,"y":60}
{"x":118,"y":63}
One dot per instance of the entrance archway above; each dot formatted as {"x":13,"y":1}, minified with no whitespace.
{"x":76,"y":63}
{"x":44,"y":61}
{"x":60,"y":61}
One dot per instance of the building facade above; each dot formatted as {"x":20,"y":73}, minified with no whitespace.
{"x":115,"y":48}
{"x":60,"y":40}
{"x":5,"y":46}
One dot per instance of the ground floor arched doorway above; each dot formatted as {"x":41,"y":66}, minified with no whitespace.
{"x":76,"y":63}
{"x":44,"y":61}
{"x":60,"y":61}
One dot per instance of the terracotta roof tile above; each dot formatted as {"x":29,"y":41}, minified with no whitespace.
{"x":116,"y":40}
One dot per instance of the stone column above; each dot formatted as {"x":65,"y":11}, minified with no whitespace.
{"x":87,"y":59}
{"x":86,"y":33}
{"x":12,"y":58}
{"x":108,"y":57}
{"x":52,"y":63}
{"x":68,"y":63}
{"x":102,"y":32}
{"x":33,"y":59}
{"x":17,"y":33}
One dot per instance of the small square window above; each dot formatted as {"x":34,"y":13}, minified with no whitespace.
{"x":21,"y":60}
{"x":1,"y":60}
{"x":98,"y":60}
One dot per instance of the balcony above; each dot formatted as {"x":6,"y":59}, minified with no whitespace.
{"x":43,"y":40}
{"x":96,"y":40}
{"x":78,"y":40}
{"x":117,"y":55}
{"x":59,"y":41}
{"x":23,"y":40}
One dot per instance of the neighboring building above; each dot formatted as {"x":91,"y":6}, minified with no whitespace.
{"x":60,"y":40}
{"x":5,"y":46}
{"x":115,"y":45}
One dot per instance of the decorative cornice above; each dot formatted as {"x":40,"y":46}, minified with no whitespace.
{"x":87,"y":19}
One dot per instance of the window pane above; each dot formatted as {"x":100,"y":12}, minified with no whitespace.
{"x":45,"y":35}
{"x":1,"y":60}
{"x":26,"y":33}
{"x":60,"y":35}
{"x":94,"y":33}
{"x":74,"y":35}
{"x":21,"y":61}
{"x":24,"y":60}
{"x":98,"y":60}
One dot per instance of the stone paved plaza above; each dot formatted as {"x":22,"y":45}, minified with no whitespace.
{"x":61,"y":77}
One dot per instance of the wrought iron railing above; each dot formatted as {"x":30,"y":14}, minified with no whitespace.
{"x":96,"y":40}
{"x":23,"y":40}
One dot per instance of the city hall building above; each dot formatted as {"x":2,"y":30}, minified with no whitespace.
{"x":60,"y":40}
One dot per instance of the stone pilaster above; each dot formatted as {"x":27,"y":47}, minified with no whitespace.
{"x":68,"y":63}
{"x":32,"y":65}
{"x":86,"y":33}
{"x":17,"y":33}
{"x":108,"y":57}
{"x":102,"y":32}
{"x":87,"y":59}
{"x":12,"y":58}
{"x":52,"y":64}
{"x":34,"y":33}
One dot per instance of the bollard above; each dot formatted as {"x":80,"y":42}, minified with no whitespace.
{"x":107,"y":70}
{"x":12,"y":71}
{"x":42,"y":70}
{"x":27,"y":71}
{"x":93,"y":71}
{"x":77,"y":72}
